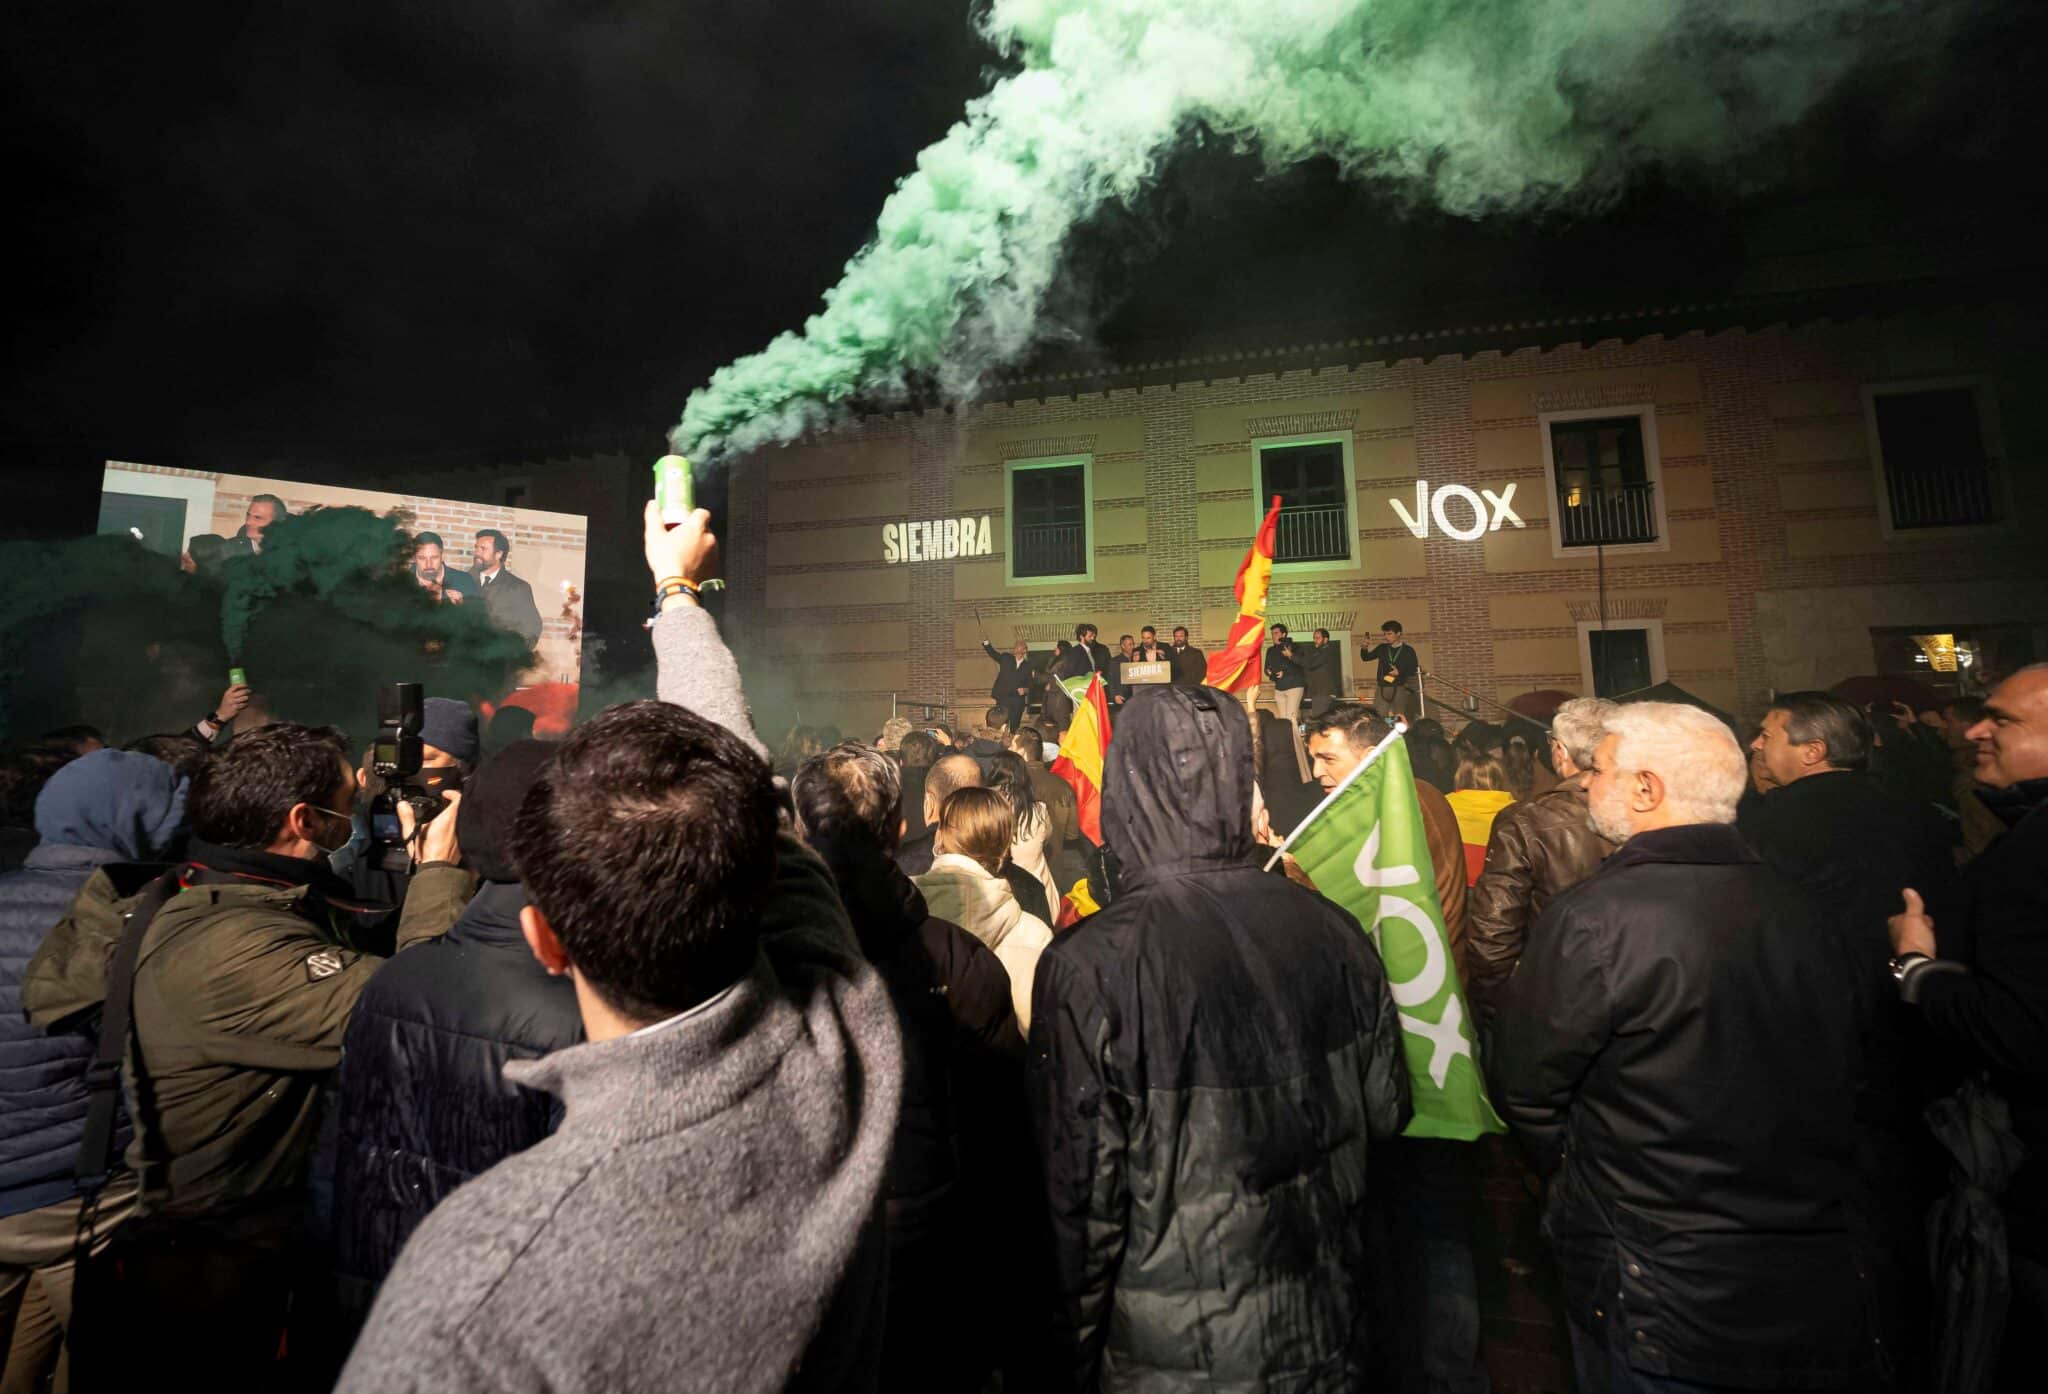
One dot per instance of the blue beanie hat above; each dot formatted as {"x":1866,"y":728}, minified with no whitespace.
{"x":449,"y":725}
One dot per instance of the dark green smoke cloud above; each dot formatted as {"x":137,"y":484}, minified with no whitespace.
{"x":1476,"y":106}
{"x":101,"y":630}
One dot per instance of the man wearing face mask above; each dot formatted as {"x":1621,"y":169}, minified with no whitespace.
{"x":242,"y":991}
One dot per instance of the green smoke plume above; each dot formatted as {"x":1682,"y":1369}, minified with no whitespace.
{"x":1477,"y":106}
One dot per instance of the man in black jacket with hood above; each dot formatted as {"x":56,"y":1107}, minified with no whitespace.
{"x":422,"y":1102}
{"x":1675,"y":1053}
{"x":1210,"y":1056}
{"x":959,"y":1185}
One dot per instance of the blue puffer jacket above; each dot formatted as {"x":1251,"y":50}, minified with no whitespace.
{"x":422,"y":1103}
{"x":110,"y":806}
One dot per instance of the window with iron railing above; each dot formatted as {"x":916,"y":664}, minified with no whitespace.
{"x":1938,"y":471}
{"x":1605,"y":495}
{"x":1049,"y":521}
{"x":1315,"y":511}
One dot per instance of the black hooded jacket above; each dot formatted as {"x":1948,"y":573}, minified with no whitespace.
{"x":1209,"y":1057}
{"x":422,"y":1101}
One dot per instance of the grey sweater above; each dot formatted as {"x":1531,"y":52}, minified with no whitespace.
{"x":694,"y":669}
{"x":707,"y":1215}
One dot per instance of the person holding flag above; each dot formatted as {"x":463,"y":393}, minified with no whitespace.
{"x":1082,"y":751}
{"x":1235,"y":667}
{"x":1214,"y":1057}
{"x":1366,"y":846}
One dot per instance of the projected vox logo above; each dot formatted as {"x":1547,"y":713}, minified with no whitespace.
{"x":1488,"y":512}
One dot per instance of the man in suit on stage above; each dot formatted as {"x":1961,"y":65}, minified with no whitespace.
{"x":1012,"y":686}
{"x":508,"y":597}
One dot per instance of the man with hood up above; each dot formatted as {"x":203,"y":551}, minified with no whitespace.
{"x":107,"y":807}
{"x":1209,"y":1057}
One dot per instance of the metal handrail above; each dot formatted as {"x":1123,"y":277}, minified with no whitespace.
{"x":1502,"y":707}
{"x":1049,"y":549}
{"x":1312,"y":532}
{"x":1613,"y":516}
{"x":1943,"y":498}
{"x":924,"y":709}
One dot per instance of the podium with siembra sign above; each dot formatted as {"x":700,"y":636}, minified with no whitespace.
{"x":1134,"y":674}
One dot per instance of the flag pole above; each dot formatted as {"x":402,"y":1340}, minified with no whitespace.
{"x":1400,"y":729}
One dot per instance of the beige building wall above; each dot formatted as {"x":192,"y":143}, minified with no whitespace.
{"x":1770,"y":568}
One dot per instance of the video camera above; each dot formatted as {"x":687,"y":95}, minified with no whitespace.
{"x":396,"y":759}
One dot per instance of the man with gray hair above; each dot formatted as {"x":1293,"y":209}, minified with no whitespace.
{"x":1540,"y":848}
{"x":1669,"y":1052}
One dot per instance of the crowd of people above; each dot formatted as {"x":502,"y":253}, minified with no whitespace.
{"x":652,"y":1060}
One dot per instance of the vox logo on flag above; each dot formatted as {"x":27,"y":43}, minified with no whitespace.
{"x":1366,"y":849}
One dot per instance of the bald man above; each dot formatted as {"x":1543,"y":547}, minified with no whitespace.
{"x":1980,"y":980}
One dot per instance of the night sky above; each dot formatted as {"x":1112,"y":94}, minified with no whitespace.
{"x":261,"y":236}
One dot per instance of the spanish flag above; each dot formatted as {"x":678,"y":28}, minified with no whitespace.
{"x":1080,"y":758}
{"x":1237,"y":667}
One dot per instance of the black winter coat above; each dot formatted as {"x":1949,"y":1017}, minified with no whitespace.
{"x":422,"y":1102}
{"x":1282,"y":669}
{"x":1669,"y":1051}
{"x":42,"y":1077}
{"x":1209,"y":1057}
{"x":959,"y":1178}
{"x":1853,"y":844}
{"x":1997,"y":1011}
{"x":1012,"y":682}
{"x":1322,"y":669}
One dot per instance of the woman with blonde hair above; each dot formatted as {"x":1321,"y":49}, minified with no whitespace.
{"x":1482,"y":792}
{"x":965,"y":885}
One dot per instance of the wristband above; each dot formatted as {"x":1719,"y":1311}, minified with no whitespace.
{"x":674,"y":585}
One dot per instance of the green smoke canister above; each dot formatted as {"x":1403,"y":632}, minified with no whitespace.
{"x":673,"y":493}
{"x":237,"y":677}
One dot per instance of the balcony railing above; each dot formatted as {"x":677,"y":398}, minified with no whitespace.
{"x":1059,"y":549}
{"x":1609,"y":517}
{"x":1943,"y":498}
{"x":1318,"y":533}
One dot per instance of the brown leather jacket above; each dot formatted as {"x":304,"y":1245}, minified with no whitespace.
{"x":1540,"y":847}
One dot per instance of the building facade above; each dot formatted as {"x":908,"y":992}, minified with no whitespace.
{"x":1737,"y":507}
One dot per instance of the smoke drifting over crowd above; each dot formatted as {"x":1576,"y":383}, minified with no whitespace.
{"x":101,"y":629}
{"x":1479,"y":107}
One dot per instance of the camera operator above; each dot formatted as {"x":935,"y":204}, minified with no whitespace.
{"x":378,"y":863}
{"x":242,"y":989}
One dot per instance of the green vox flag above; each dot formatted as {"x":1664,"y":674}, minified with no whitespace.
{"x":1365,"y":848}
